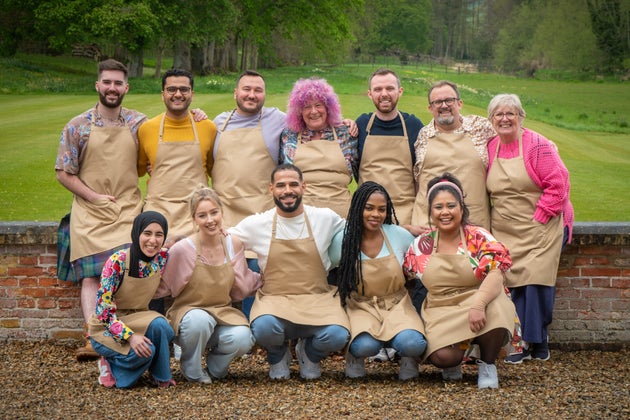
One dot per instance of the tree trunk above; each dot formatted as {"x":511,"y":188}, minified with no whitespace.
{"x":158,"y":59}
{"x":181,"y":55}
{"x":136,"y":64}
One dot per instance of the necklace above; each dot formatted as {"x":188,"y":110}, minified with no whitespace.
{"x":287,"y":232}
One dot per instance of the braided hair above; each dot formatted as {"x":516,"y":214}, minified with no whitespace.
{"x":350,"y":273}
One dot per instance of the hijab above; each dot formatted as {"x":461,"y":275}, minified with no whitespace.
{"x":140,"y":223}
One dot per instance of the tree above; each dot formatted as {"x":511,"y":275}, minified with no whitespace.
{"x":610,"y":30}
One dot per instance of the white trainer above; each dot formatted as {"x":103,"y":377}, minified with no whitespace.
{"x":453,"y":373}
{"x":308,"y":369}
{"x":488,"y":377}
{"x":384,"y":355}
{"x":177,"y":352}
{"x":281,"y":369}
{"x":408,"y":369}
{"x":355,"y":367}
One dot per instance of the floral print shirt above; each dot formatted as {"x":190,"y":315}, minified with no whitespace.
{"x":113,"y":272}
{"x":484,"y":252}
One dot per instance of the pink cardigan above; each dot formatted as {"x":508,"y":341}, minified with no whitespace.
{"x":545,"y":167}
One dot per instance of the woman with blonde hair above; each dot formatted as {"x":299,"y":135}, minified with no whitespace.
{"x":206,"y":273}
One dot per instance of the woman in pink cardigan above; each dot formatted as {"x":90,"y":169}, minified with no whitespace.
{"x":531,"y":214}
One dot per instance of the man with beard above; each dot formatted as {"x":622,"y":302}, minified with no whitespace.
{"x":456,"y":144}
{"x":178,"y":152}
{"x":386,"y":143}
{"x":97,"y":161}
{"x":295,"y":301}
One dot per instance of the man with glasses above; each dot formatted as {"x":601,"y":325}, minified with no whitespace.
{"x":456,"y":144}
{"x":176,"y":151}
{"x":386,"y":143}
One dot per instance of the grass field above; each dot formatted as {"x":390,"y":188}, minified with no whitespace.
{"x":596,"y":150}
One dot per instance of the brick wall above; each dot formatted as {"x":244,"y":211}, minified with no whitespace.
{"x":592,"y":301}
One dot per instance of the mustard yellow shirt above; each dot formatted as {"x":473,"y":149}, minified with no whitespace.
{"x":174,"y":130}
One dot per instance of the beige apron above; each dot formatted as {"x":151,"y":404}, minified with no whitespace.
{"x":108,"y":166}
{"x":451,"y":286}
{"x":177,"y":171}
{"x":241,"y":172}
{"x":535,"y":248}
{"x":454,"y":153}
{"x":384,"y":307}
{"x":208,"y":289}
{"x":295,"y":286}
{"x":386,"y":160}
{"x":132,"y":307}
{"x":325,"y":173}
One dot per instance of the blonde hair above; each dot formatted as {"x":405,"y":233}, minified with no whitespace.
{"x":203,"y":193}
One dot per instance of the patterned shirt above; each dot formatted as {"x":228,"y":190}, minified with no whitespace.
{"x":77,"y":132}
{"x":484,"y":252}
{"x":478,"y":128}
{"x":111,"y":278}
{"x":348,"y":144}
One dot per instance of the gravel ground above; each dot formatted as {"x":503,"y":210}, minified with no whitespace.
{"x":43,"y":380}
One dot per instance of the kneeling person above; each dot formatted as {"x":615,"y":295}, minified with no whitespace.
{"x":295,"y":301}
{"x":206,"y":272}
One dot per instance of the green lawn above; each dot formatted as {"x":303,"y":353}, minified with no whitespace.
{"x":596,"y":150}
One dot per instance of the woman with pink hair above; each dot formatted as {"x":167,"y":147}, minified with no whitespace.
{"x":314,"y":114}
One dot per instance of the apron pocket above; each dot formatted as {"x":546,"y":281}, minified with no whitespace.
{"x":103,"y":210}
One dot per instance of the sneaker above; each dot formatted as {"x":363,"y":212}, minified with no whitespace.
{"x":384,"y":355}
{"x":204,"y":379}
{"x":105,"y":376}
{"x":453,"y":373}
{"x":177,"y":351}
{"x":408,"y":369}
{"x":281,"y":370}
{"x":488,"y":377}
{"x":517,"y":358}
{"x":355,"y":367}
{"x":541,"y":351}
{"x":308,"y":369}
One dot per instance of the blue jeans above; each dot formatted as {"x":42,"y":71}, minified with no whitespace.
{"x":273,"y":334}
{"x":198,"y":330}
{"x":408,"y":343}
{"x":246,"y":305}
{"x":128,"y":368}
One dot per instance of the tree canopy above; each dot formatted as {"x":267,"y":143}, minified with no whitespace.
{"x":230,"y":35}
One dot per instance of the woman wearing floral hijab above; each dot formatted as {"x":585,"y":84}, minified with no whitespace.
{"x":131,"y":338}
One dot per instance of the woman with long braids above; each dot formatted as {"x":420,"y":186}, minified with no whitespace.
{"x":372,"y":283}
{"x":462,"y":266}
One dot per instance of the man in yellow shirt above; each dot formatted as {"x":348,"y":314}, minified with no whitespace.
{"x":176,"y":151}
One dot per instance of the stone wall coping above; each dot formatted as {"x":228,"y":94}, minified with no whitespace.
{"x":584,"y":233}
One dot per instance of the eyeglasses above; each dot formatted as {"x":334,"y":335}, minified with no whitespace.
{"x":447,"y":101}
{"x":172,"y":90}
{"x":509,"y":115}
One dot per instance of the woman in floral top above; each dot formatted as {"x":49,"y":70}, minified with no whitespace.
{"x":462,"y":267}
{"x":131,"y":338}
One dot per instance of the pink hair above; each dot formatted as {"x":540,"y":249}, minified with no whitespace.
{"x":306,"y":90}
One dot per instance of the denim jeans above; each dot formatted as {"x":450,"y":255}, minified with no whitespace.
{"x":246,"y":305}
{"x":128,"y":368}
{"x":198,"y":330}
{"x":408,"y":343}
{"x":274,"y":333}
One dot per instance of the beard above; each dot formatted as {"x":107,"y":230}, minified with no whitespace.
{"x":291,"y":208}
{"x":255,"y":110}
{"x":446,"y":120}
{"x":109,"y":104}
